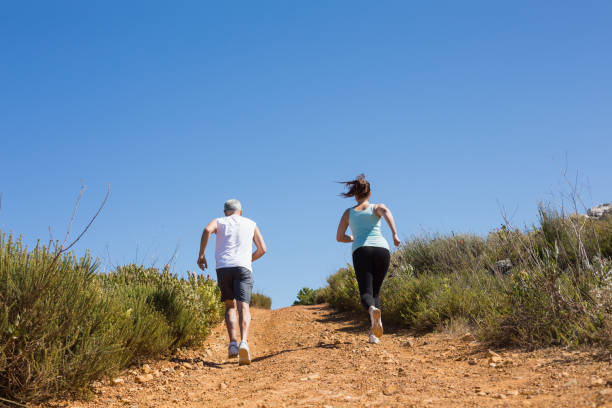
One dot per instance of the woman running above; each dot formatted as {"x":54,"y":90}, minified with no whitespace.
{"x":371,"y":255}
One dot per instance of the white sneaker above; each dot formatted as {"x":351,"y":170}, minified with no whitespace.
{"x":373,"y":339}
{"x":244,"y":355}
{"x":377,"y":328}
{"x":232,"y":350}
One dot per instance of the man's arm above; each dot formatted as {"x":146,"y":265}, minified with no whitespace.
{"x":211,"y":228}
{"x":259,"y":244}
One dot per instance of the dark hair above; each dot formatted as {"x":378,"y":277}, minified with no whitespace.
{"x":358,"y":188}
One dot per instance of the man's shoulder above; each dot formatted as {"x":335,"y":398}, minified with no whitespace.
{"x":248,"y":220}
{"x":234,"y":219}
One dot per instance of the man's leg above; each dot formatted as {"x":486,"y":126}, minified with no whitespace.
{"x":230,"y":319}
{"x":225,"y":280}
{"x":245,"y":320}
{"x":242,"y":292}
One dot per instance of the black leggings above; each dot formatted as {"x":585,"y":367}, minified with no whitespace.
{"x":371,"y":265}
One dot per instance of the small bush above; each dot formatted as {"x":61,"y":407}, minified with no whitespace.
{"x":439,"y":254}
{"x":308,"y":296}
{"x":188,"y":306}
{"x":543,"y":307}
{"x":435,"y":301}
{"x":343,"y":291}
{"x":260,"y":300}
{"x":57,"y":330}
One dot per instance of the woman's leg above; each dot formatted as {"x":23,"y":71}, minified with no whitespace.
{"x":362,"y":262}
{"x":381,"y":259}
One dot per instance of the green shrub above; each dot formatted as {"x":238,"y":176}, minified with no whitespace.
{"x":62,"y":325}
{"x":559,"y":292}
{"x":343,"y":292}
{"x":58,"y":331}
{"x":260,"y":300}
{"x":545,"y":306}
{"x":308,"y":296}
{"x":146,"y":332}
{"x":188,"y":306}
{"x":440,"y":254}
{"x":603,"y":231}
{"x":436,"y":301}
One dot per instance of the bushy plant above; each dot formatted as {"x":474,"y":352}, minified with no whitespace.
{"x":308,"y":296}
{"x":434,"y":301}
{"x":343,"y":292}
{"x":260,"y":300}
{"x":57,"y":330}
{"x":188,"y":306}
{"x":545,"y":305}
{"x":440,"y":254}
{"x":62,"y":325}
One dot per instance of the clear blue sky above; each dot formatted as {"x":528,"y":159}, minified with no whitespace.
{"x":452,"y":109}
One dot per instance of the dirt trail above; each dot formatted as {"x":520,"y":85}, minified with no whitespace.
{"x":311,"y":356}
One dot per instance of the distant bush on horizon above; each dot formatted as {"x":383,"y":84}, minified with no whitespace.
{"x":260,"y":300}
{"x":308,"y":296}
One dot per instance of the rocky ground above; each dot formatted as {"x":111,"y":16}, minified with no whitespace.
{"x":311,"y":356}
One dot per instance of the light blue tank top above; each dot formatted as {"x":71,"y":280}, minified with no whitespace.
{"x":365,"y":226}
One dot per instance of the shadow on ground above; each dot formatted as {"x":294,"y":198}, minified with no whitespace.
{"x":356,"y":323}
{"x":212,"y":364}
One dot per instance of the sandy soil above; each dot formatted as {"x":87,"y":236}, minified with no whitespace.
{"x":311,"y":356}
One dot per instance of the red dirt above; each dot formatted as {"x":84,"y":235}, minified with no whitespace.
{"x":311,"y":356}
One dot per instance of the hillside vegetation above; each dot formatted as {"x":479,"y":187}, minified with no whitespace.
{"x":63,"y":325}
{"x":551,"y":284}
{"x":260,"y":300}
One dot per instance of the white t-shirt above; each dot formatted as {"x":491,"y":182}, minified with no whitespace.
{"x":234,"y":242}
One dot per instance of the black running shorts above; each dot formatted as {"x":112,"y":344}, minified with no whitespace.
{"x":235,"y":283}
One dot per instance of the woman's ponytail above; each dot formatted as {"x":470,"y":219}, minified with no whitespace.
{"x":358,"y":188}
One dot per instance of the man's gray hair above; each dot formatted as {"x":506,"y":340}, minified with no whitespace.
{"x":232,"y":205}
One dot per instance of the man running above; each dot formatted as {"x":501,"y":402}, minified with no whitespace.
{"x":235,"y":237}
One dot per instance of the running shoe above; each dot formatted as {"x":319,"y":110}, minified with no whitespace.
{"x":377,"y":328}
{"x":232,"y":350}
{"x":373,"y":339}
{"x":244,"y":355}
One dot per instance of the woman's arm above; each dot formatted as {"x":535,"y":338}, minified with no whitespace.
{"x":382,"y":211}
{"x":344,"y":223}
